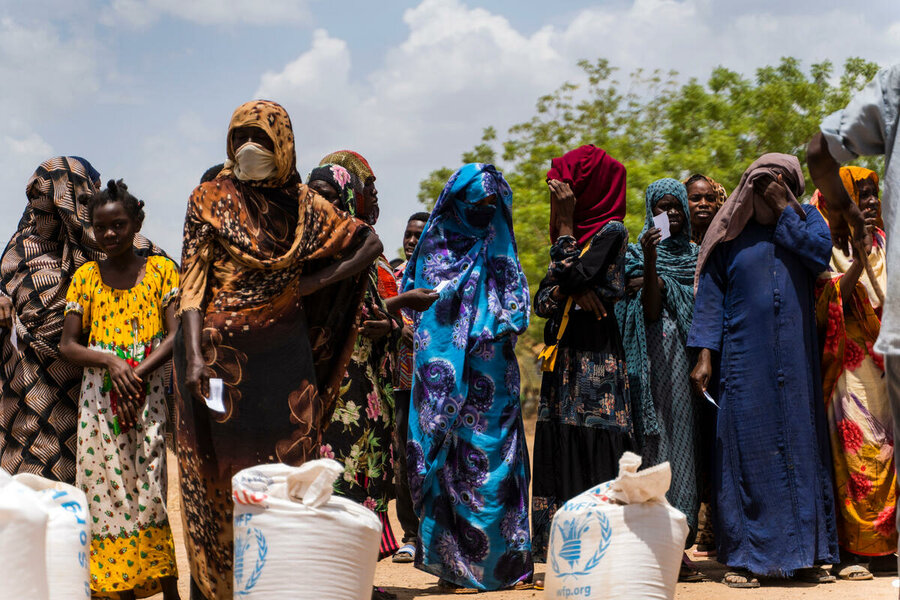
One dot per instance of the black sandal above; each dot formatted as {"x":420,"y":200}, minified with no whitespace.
{"x":814,"y":575}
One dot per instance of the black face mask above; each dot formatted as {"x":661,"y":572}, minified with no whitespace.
{"x":480,"y":216}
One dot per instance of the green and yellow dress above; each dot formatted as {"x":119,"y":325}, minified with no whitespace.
{"x":123,"y":472}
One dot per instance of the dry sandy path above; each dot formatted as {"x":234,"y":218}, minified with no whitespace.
{"x":408,"y":582}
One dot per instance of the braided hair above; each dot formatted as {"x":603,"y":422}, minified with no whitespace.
{"x":117,"y":191}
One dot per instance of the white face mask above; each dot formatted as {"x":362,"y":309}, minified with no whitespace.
{"x":254,"y":163}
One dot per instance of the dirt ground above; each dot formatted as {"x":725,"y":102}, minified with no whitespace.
{"x":408,"y":582}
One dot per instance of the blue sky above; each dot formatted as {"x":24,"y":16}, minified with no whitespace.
{"x":144,"y":88}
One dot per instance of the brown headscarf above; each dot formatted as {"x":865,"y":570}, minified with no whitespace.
{"x":744,"y":204}
{"x":275,"y":122}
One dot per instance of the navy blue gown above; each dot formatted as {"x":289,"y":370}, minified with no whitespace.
{"x":772,"y":474}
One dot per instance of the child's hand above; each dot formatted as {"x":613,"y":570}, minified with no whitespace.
{"x":124,"y":380}
{"x":130,"y":410}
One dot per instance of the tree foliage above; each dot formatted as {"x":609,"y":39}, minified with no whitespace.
{"x":658,"y":127}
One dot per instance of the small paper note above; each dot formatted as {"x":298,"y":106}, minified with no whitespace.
{"x":214,"y":402}
{"x":13,"y":336}
{"x":440,"y":287}
{"x":710,"y":398}
{"x":661,"y":222}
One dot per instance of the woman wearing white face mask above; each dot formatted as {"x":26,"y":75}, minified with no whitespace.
{"x":254,"y":159}
{"x":263,"y":256}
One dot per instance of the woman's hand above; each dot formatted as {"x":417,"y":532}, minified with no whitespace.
{"x":6,"y":312}
{"x":702,"y":371}
{"x":563,"y":199}
{"x":124,"y":380}
{"x":196,"y":378}
{"x":634,"y":285}
{"x":588,"y":300}
{"x":309,"y":284}
{"x":420,"y":299}
{"x":406,"y":334}
{"x":378,"y":327}
{"x":649,"y":241}
{"x":776,"y":196}
{"x":562,"y":205}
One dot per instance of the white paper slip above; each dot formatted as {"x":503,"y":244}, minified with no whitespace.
{"x":661,"y":222}
{"x":214,"y":402}
{"x":13,"y":336}
{"x":710,"y":398}
{"x":440,"y":287}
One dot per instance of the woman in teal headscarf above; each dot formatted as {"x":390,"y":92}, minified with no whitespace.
{"x":655,"y":319}
{"x":467,"y":460}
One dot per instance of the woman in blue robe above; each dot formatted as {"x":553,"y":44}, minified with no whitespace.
{"x":467,"y":460}
{"x":755,"y":311}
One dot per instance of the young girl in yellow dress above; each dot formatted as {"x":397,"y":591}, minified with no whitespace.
{"x":124,"y":305}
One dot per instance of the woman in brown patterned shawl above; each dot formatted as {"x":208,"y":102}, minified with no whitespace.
{"x":38,"y":409}
{"x":261,"y":258}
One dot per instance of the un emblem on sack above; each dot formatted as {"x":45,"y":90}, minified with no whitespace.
{"x":567,"y":547}
{"x":250,"y":550}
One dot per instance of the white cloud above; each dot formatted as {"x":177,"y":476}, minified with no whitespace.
{"x":140,"y":13}
{"x":460,"y":69}
{"x":45,"y":75}
{"x":43,"y":72}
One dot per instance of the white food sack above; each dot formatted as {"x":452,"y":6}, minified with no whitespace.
{"x":618,"y":540}
{"x":23,"y":525}
{"x":68,"y":537}
{"x":293,"y":539}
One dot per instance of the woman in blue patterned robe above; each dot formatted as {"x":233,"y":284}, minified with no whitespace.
{"x":468,"y":464}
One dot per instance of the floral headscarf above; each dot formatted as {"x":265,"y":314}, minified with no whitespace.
{"x":343,"y":181}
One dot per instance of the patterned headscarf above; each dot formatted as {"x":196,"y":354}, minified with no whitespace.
{"x":479,"y":312}
{"x":850,"y":177}
{"x":675,"y":264}
{"x":343,"y":181}
{"x":274,"y":121}
{"x":598,"y":182}
{"x":352,"y":161}
{"x":356,"y":164}
{"x":487,"y":296}
{"x":741,"y":206}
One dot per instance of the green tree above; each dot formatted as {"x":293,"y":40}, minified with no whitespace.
{"x":657,"y":126}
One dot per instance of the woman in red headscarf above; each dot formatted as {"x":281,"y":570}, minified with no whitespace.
{"x":584,"y":420}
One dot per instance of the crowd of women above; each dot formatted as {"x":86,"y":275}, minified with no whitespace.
{"x":734,"y":340}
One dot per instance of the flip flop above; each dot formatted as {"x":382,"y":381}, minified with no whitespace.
{"x":853,"y":572}
{"x":521,"y":586}
{"x":740,"y":578}
{"x":689,"y":573}
{"x":406,"y":554}
{"x":814,"y":575}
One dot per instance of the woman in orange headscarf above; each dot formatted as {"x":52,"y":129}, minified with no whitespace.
{"x":848,"y":311}
{"x":270,"y":297}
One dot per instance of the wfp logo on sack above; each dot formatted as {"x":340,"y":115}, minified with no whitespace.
{"x":570,"y":557}
{"x":250,"y":550}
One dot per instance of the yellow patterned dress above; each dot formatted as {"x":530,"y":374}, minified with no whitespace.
{"x":123,"y":472}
